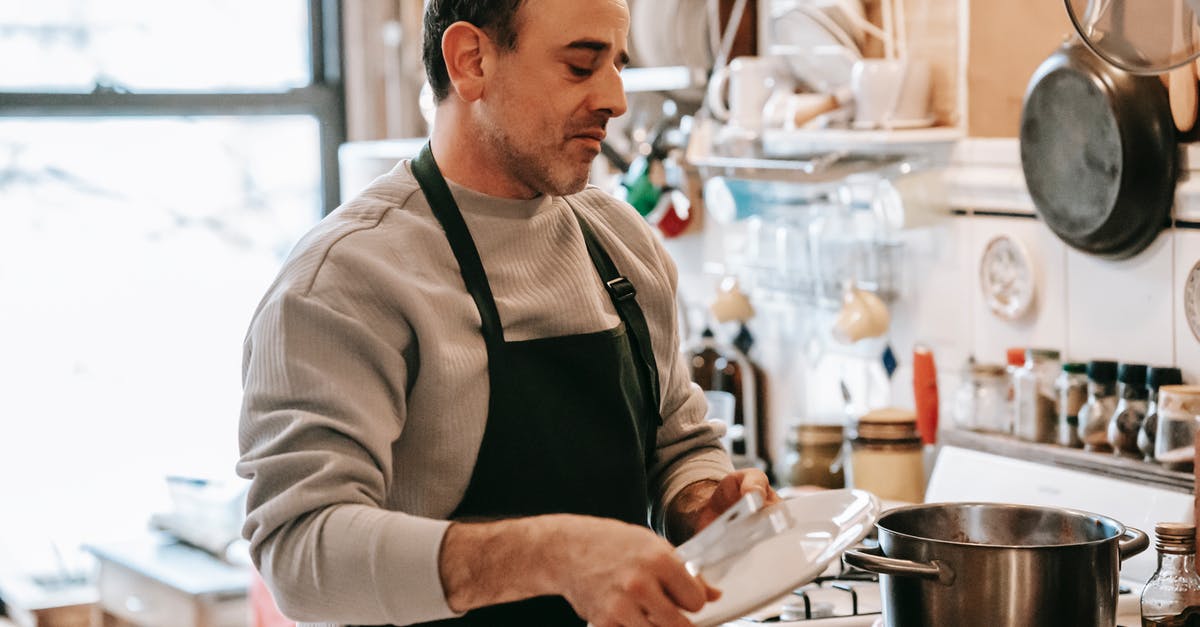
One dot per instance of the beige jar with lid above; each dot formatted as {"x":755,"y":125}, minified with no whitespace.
{"x":1178,"y":409}
{"x":886,"y":456}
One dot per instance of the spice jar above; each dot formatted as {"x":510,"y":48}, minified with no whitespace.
{"x":1034,"y":399}
{"x":886,"y":455}
{"x":1072,"y":388}
{"x":1156,"y":377}
{"x":980,"y":403}
{"x":1102,"y":400}
{"x":1178,"y":408}
{"x":814,"y":456}
{"x":1127,"y":418}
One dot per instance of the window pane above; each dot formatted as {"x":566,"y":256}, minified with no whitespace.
{"x":132,"y":254}
{"x":151,"y":45}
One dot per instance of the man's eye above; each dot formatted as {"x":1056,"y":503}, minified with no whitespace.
{"x":580,"y":71}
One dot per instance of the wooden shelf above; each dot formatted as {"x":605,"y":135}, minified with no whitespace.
{"x":1106,"y":464}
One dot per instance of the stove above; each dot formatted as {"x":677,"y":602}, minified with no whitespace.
{"x":844,"y":596}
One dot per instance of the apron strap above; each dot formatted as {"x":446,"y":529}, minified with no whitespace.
{"x":445,"y":209}
{"x":623,"y":295}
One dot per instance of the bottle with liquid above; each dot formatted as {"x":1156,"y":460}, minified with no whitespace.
{"x":1102,"y":400}
{"x":714,"y":367}
{"x":1156,"y":378}
{"x":744,"y":342}
{"x":1127,"y":418}
{"x":1072,"y":385}
{"x":1172,"y":596}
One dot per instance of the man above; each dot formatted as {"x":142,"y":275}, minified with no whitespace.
{"x":463,"y":394}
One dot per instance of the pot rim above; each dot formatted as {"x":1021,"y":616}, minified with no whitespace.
{"x":1121,"y":528}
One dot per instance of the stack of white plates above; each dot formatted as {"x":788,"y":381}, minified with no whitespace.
{"x":820,"y":39}
{"x":670,"y":32}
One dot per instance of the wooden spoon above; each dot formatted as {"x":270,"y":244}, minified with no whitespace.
{"x":1181,"y":82}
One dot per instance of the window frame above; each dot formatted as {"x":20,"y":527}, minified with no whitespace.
{"x":323,"y":98}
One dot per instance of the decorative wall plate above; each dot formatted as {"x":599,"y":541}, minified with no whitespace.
{"x":1191,"y":300}
{"x":1007,"y":278}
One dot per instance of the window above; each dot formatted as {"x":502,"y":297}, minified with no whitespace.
{"x":157,"y":163}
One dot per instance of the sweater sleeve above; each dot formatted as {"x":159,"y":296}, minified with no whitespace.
{"x":689,"y":447}
{"x":324,"y":399}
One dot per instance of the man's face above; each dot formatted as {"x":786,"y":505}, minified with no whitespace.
{"x":546,"y":106}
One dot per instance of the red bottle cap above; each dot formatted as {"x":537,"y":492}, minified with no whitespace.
{"x":1016,"y":357}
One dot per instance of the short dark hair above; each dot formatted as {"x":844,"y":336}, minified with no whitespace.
{"x":497,"y":17}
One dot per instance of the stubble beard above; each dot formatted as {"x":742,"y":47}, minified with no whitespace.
{"x":543,"y":170}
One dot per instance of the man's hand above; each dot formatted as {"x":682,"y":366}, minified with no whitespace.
{"x":612,"y":573}
{"x":700,"y":503}
{"x":620,"y":574}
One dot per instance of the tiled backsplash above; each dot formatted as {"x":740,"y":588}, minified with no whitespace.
{"x":1087,"y":307}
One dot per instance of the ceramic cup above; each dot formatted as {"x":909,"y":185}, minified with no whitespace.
{"x":751,"y":81}
{"x":890,"y":92}
{"x":863,"y":315}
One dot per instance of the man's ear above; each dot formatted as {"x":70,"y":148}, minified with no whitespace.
{"x":465,"y":47}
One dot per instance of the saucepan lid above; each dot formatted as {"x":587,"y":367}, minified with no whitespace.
{"x":755,"y":554}
{"x":1139,"y":36}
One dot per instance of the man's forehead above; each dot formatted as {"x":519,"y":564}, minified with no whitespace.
{"x":574,"y":20}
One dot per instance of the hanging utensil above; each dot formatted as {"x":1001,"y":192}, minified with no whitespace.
{"x":1182,"y":80}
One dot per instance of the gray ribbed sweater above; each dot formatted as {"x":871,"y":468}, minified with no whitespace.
{"x":366,"y":387}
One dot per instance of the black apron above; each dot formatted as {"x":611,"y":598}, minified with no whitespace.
{"x":571,"y":420}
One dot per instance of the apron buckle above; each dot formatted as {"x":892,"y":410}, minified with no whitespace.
{"x":621,"y":288}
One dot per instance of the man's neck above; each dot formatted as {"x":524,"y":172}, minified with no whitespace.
{"x":466,"y":160}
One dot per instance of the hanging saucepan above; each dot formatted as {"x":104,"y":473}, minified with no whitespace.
{"x":1099,"y":152}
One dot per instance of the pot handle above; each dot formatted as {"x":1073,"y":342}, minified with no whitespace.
{"x":874,"y":561}
{"x":1133,"y":541}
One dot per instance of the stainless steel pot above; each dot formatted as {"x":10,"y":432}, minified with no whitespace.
{"x":998,"y":565}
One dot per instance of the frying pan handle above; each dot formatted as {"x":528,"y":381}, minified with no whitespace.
{"x":1133,"y":541}
{"x":873,"y":560}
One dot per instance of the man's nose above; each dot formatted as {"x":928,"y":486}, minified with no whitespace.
{"x":610,"y":93}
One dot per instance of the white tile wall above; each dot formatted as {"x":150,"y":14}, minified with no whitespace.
{"x":1045,"y":325}
{"x":1122,"y":309}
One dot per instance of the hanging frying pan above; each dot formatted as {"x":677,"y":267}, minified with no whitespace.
{"x":1099,"y":152}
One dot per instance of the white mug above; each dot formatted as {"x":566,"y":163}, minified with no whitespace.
{"x":890,"y":92}
{"x":751,"y":82}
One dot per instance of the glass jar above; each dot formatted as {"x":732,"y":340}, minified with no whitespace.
{"x":1127,"y":418}
{"x":980,"y":402}
{"x":1034,"y":399}
{"x":1102,"y":400}
{"x":1156,"y":377}
{"x":1072,"y":386}
{"x":1174,"y":442}
{"x":814,"y":456}
{"x":1171,"y":597}
{"x":886,"y":455}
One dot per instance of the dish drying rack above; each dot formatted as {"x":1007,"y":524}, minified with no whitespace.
{"x":812,"y":198}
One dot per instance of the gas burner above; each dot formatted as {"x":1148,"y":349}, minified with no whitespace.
{"x":842,"y":595}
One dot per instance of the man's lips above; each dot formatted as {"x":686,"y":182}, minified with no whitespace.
{"x":597,"y":135}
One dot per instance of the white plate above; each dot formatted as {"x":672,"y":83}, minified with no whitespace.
{"x":819,"y":52}
{"x":825,"y":524}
